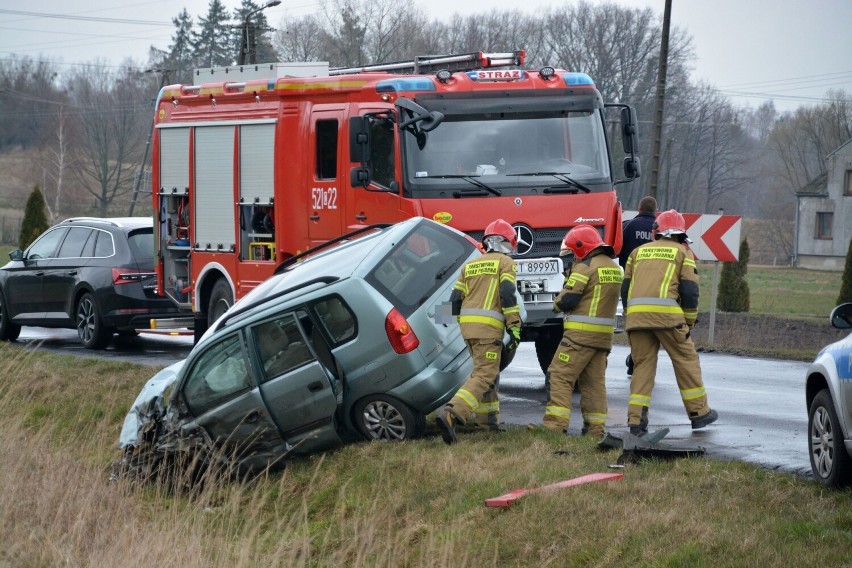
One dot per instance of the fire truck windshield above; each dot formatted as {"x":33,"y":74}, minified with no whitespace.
{"x":511,"y":153}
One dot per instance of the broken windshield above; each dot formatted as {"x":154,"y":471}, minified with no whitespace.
{"x":504,"y":151}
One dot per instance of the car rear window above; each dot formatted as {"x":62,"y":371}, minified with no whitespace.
{"x":142,"y":243}
{"x":421,"y":263}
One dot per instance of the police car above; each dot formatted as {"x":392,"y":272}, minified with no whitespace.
{"x":828,"y":394}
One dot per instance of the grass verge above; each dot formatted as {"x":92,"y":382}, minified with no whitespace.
{"x":417,"y":503}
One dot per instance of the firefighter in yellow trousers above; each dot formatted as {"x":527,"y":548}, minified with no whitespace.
{"x":484,"y":297}
{"x":660,"y":295}
{"x":589,"y":301}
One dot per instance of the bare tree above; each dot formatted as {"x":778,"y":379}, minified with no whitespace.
{"x":344,"y":31}
{"x":359,"y":32}
{"x":759,"y":122}
{"x":301,"y":40}
{"x":495,"y":31}
{"x":391,"y":29}
{"x":58,"y":157}
{"x":114,"y":115}
{"x":803,"y":139}
{"x":28,"y":94}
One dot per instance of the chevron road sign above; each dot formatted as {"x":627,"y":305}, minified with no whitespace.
{"x":714,"y":237}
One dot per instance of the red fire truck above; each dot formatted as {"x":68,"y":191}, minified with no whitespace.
{"x":254,"y":164}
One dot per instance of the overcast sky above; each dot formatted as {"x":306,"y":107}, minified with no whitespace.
{"x":792,"y":51}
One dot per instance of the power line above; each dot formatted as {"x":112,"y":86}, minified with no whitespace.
{"x":838,"y":75}
{"x":85,"y":18}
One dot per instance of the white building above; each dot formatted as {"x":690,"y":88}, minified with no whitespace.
{"x":824,"y":215}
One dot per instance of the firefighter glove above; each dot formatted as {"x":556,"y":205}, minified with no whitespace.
{"x":514,"y":338}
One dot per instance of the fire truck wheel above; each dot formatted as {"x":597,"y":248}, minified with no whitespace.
{"x":545,"y":347}
{"x":220,"y":300}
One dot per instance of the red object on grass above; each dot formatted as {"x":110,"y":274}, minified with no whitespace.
{"x":504,"y":501}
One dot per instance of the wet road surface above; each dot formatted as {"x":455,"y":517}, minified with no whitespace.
{"x":761,"y":406}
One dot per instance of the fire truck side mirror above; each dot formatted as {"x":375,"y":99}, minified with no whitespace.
{"x":632,"y":168}
{"x":360,"y":175}
{"x":359,"y":139}
{"x":628,"y":130}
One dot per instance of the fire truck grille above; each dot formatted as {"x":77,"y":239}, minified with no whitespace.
{"x":546,"y":242}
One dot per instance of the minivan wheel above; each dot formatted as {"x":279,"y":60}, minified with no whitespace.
{"x":381,"y":417}
{"x":91,"y":330}
{"x":830,"y":462}
{"x":8,"y":330}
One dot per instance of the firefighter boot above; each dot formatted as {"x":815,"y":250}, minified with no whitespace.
{"x":642,"y":428}
{"x":705,"y":420}
{"x":446,"y":422}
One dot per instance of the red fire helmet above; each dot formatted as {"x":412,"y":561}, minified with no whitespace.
{"x":503,"y":229}
{"x":669,"y":223}
{"x":581,"y":240}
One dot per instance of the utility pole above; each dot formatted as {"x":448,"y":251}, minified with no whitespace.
{"x":659,"y":100}
{"x":248,"y":37}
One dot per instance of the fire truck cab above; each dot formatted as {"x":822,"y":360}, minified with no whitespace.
{"x":253,"y":165}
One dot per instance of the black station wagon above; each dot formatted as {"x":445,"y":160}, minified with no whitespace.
{"x":95,"y":275}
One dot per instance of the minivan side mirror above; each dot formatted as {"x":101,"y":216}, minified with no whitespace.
{"x":17,"y":254}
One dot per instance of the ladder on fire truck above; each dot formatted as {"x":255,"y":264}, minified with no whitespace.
{"x":434,"y":63}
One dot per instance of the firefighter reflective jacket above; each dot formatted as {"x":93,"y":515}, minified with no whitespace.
{"x":589,"y":300}
{"x":660,"y":288}
{"x":484,"y":297}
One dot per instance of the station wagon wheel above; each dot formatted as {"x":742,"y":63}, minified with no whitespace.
{"x":381,"y":417}
{"x":830,"y":462}
{"x":91,"y":330}
{"x":8,"y":330}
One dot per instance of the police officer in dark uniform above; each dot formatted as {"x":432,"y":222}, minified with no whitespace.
{"x":637,"y":231}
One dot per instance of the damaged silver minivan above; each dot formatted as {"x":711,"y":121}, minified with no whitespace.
{"x":349,"y":343}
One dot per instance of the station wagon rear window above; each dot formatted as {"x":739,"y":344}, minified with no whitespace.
{"x":418,"y":265}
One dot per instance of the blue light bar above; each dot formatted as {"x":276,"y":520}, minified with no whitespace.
{"x":405,"y":84}
{"x":577,"y":79}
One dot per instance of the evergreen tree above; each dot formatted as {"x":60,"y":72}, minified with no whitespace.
{"x":35,"y":219}
{"x":346,"y":42}
{"x":265,"y":52}
{"x":179,"y":60}
{"x":846,"y":283}
{"x":733,"y":288}
{"x":211,"y":44}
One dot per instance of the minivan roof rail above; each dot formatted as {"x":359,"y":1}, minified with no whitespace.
{"x":288,"y":262}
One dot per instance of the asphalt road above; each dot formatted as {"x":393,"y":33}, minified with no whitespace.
{"x":762,"y":415}
{"x":158,"y":350}
{"x":761,"y":406}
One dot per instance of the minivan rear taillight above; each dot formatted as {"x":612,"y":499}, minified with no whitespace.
{"x":130,"y":275}
{"x":400,"y":334}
